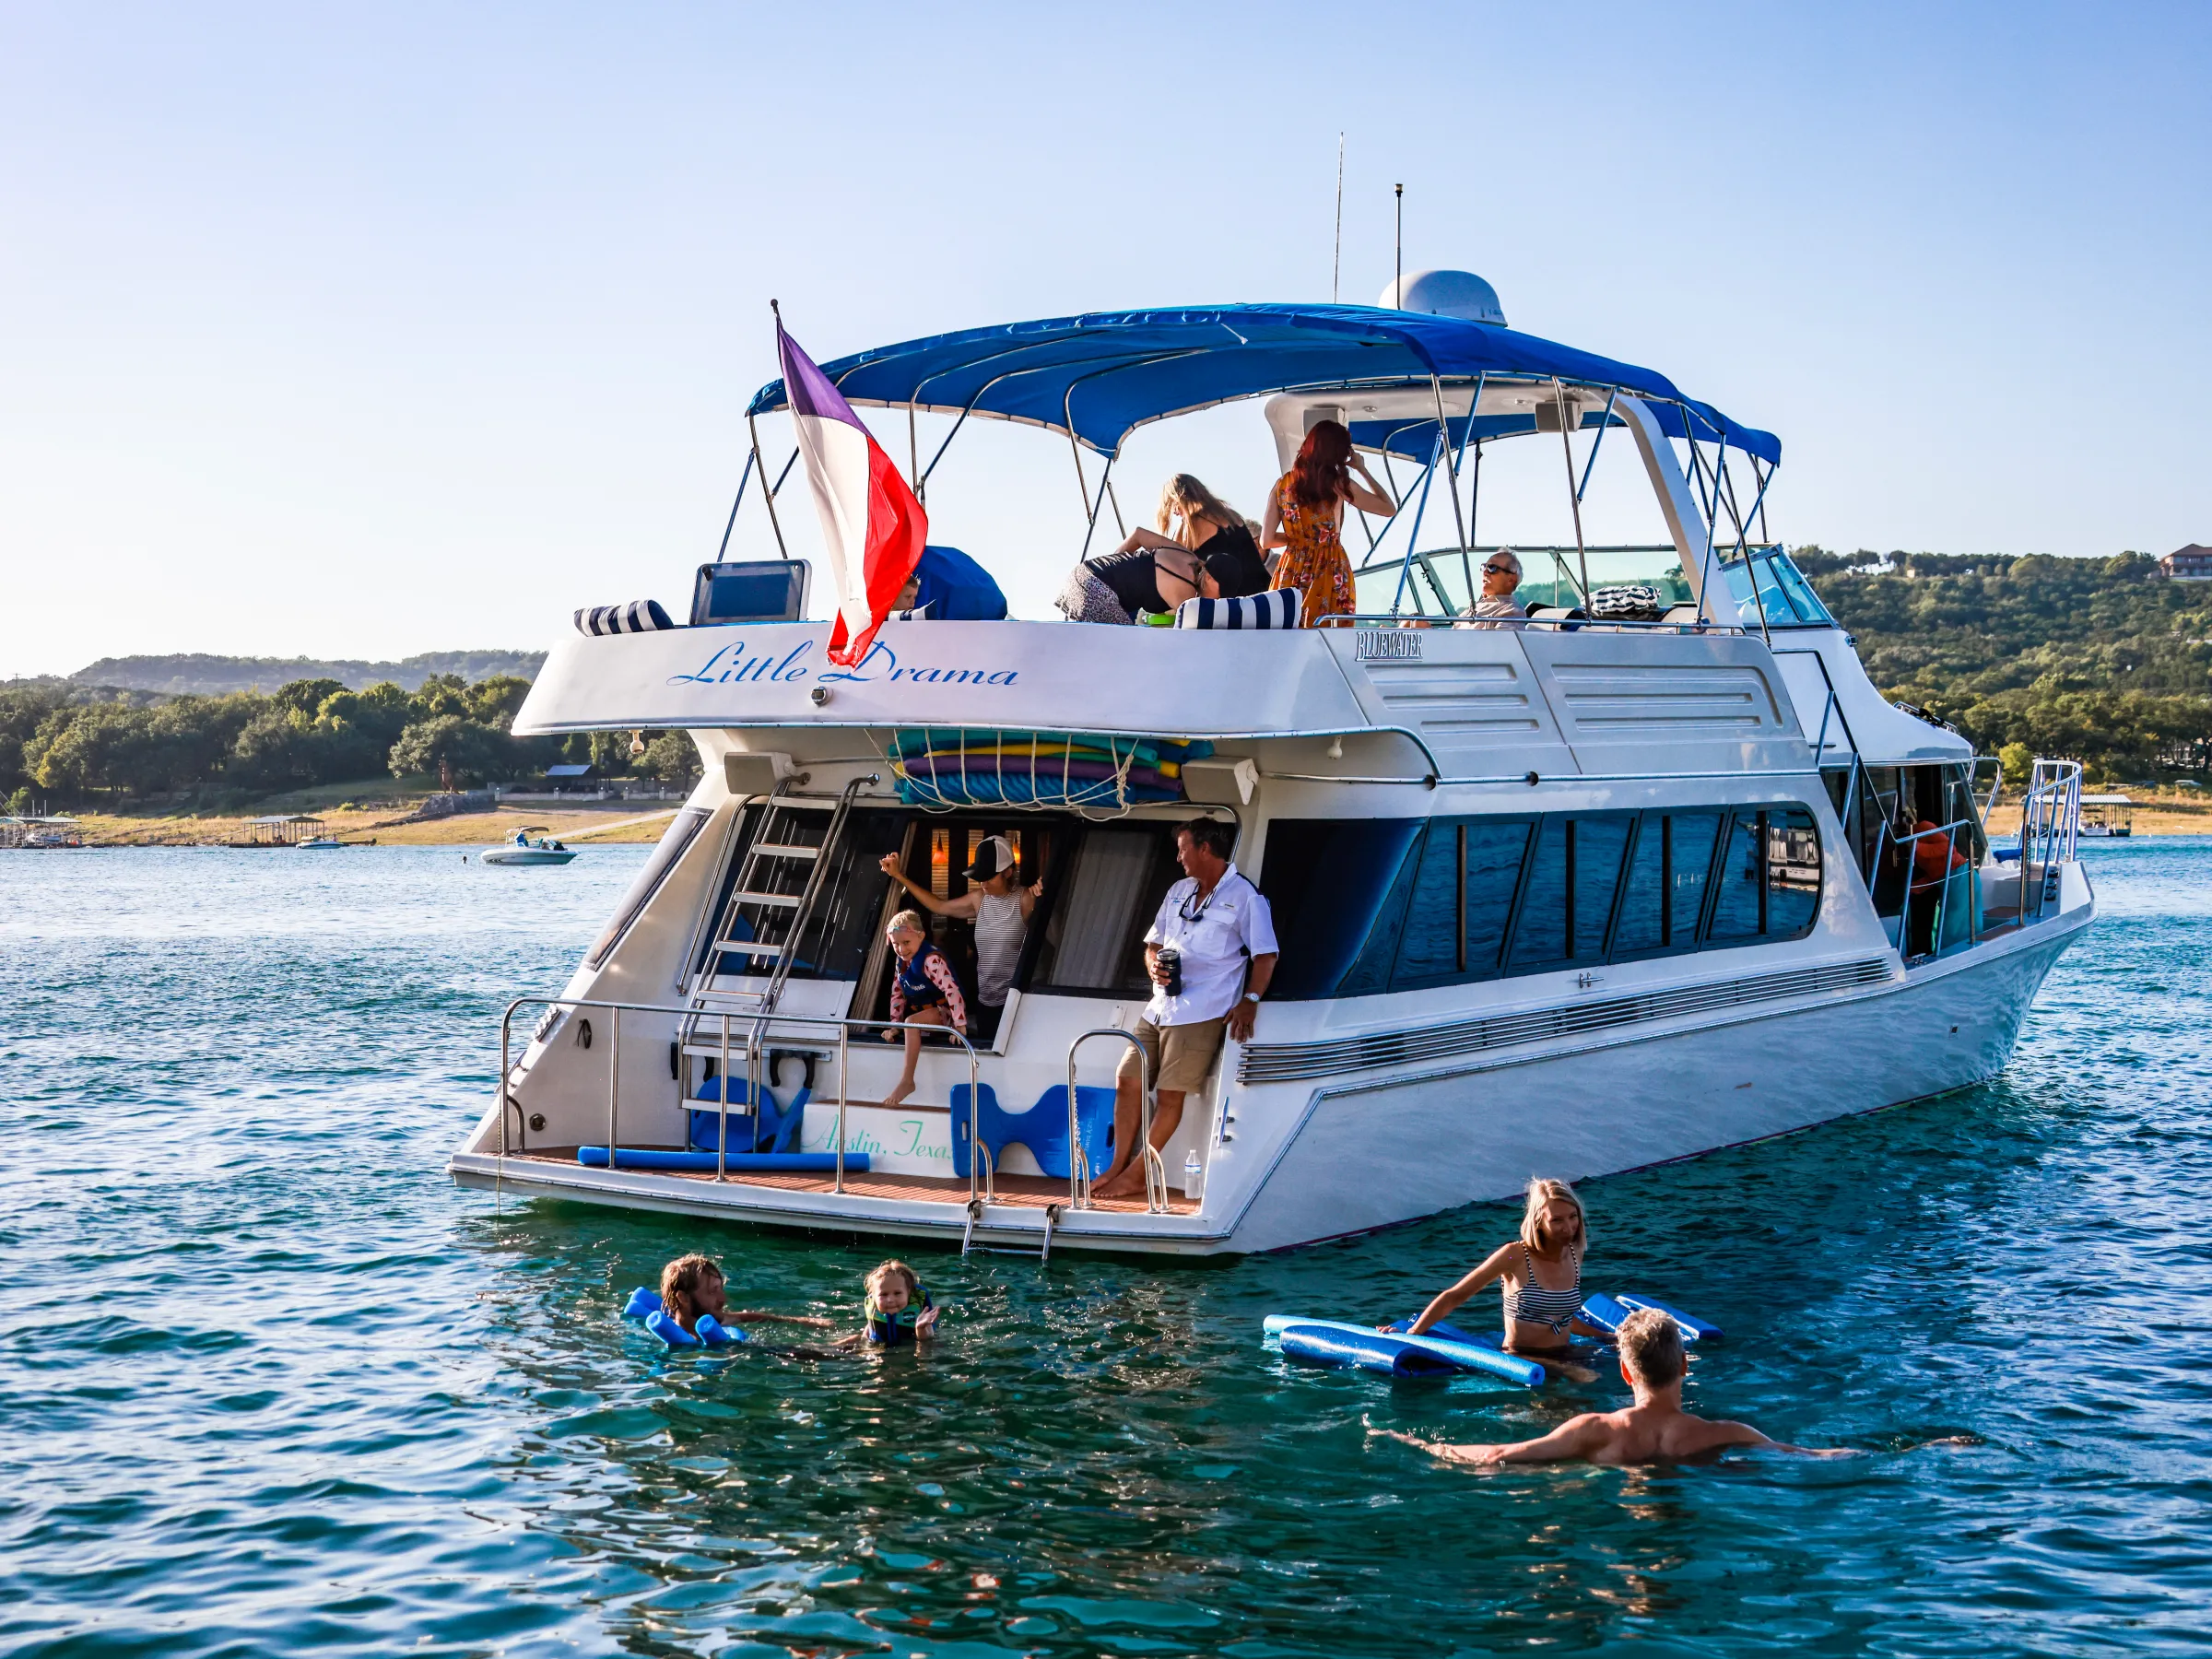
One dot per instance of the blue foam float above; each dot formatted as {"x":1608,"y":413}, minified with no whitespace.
{"x":1335,"y":1342}
{"x":786,"y":1163}
{"x":646,"y":1304}
{"x":1445,"y":1349}
{"x":1608,"y":1311}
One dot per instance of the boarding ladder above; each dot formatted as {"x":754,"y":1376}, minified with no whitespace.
{"x":773,"y":901}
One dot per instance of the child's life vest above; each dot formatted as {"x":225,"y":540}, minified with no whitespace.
{"x":914,"y":984}
{"x":889,"y":1330}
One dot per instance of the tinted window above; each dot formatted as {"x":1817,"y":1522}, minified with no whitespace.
{"x":1352,"y":897}
{"x":1429,"y":947}
{"x":1694,"y":836}
{"x":1495,"y":853}
{"x":1540,"y":936}
{"x":1793,"y":872}
{"x":675,"y":841}
{"x":1643,"y":917}
{"x":1739,"y":904}
{"x":1465,"y":878}
{"x":1338,"y":889}
{"x":1600,"y":843}
{"x":1572,"y":881}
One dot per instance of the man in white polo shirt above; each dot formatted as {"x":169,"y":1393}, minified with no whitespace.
{"x":1212,"y":929}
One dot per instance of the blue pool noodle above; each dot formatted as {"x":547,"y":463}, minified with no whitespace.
{"x":645,"y":1303}
{"x":1333,"y":1342}
{"x":787,"y":1163}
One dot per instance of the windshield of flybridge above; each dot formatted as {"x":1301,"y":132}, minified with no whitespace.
{"x":1436,"y":583}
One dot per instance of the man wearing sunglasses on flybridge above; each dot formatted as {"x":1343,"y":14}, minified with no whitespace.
{"x":1497,"y":608}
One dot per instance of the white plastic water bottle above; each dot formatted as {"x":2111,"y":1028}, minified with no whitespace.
{"x":1193,"y":1177}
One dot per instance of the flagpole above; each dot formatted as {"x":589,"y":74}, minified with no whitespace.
{"x":770,"y":495}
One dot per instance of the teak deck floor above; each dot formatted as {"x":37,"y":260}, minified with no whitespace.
{"x":1026,"y":1191}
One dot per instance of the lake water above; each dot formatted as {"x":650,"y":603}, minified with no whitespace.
{"x":270,"y":1385}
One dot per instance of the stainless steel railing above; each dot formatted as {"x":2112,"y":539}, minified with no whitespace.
{"x":754,"y":1048}
{"x":1079,"y":1166}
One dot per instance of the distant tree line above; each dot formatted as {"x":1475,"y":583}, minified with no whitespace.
{"x":2102,"y":659}
{"x":72,"y":745}
{"x":198,"y":673}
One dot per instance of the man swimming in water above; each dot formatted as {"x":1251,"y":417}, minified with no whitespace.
{"x":1654,"y":1429}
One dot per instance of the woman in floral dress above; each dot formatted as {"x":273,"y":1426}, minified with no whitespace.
{"x":1305,"y":519}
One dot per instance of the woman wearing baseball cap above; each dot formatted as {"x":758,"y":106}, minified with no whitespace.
{"x":1000,"y":910}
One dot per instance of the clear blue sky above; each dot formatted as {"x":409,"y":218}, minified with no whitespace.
{"x":374,"y":330}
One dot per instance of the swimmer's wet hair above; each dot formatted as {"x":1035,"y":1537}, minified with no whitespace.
{"x":909,"y":919}
{"x":681,"y":1278}
{"x":1542,"y":1192}
{"x":1650,"y":1346}
{"x":894,"y":1270}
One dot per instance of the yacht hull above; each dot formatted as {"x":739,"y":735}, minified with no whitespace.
{"x":1381,"y":1149}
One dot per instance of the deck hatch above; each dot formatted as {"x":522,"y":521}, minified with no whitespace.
{"x":1334,"y":1056}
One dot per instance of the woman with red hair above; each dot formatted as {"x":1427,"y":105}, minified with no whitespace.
{"x":1305,"y":518}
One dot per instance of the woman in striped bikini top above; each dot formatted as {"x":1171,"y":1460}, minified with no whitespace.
{"x":1540,"y":1273}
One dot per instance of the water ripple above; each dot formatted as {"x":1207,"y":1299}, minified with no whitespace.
{"x":275,"y":1386}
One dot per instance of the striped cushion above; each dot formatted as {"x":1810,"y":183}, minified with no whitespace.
{"x":1275,"y":610}
{"x":640,"y":615}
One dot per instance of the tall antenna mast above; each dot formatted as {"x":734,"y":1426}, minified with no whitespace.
{"x":1397,"y":257}
{"x":1336,"y":258}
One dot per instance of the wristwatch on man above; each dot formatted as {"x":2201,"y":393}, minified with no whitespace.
{"x":1252,"y":997}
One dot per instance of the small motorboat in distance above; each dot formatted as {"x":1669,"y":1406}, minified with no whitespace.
{"x":522,"y":850}
{"x":321,"y":843}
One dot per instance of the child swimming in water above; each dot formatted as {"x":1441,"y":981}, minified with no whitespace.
{"x":692,"y":1286}
{"x":1654,"y":1429}
{"x":898,"y":1309}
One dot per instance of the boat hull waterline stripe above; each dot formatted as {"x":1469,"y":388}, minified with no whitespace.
{"x":1337,"y":1056}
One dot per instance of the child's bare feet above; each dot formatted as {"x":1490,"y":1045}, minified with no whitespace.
{"x":897,"y":1098}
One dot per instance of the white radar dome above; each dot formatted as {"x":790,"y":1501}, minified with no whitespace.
{"x":1445,"y":294}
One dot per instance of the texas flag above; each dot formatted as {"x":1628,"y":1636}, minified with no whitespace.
{"x":873,"y":527}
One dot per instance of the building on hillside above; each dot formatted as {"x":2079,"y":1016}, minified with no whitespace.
{"x":2191,"y":563}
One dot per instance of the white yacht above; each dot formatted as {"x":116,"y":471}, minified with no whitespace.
{"x":1656,"y":873}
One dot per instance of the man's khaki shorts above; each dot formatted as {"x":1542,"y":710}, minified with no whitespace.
{"x":1180,"y":1056}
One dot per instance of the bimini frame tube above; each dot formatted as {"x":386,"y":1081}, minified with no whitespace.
{"x":766,"y":494}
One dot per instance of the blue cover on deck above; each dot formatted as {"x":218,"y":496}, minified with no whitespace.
{"x":956,"y":589}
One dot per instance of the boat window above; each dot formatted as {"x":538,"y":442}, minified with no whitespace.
{"x":1569,"y":905}
{"x":1338,"y":889}
{"x":1798,"y":591}
{"x":1095,"y":937}
{"x":1468,"y":870}
{"x":1669,"y":875}
{"x":1365,"y":905}
{"x":1784,"y":595}
{"x":675,"y":841}
{"x":1768,"y":885}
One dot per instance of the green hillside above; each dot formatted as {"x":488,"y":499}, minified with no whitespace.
{"x":2100,"y":658}
{"x":201,"y":676}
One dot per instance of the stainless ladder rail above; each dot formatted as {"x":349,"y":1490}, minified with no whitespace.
{"x":754,"y":891}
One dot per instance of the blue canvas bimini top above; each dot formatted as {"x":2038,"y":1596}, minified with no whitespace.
{"x":1101,"y":375}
